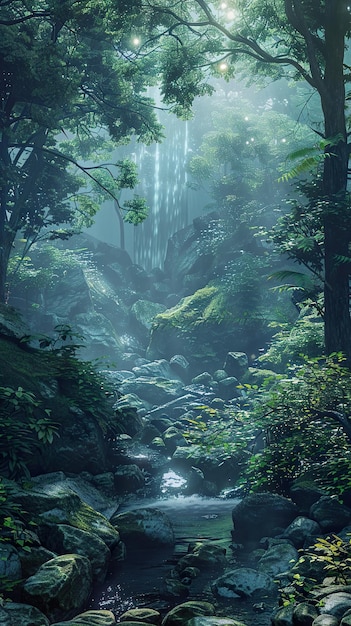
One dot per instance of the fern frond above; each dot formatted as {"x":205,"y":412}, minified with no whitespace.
{"x":309,"y":157}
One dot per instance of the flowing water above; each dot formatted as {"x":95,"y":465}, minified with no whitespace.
{"x":136,"y":582}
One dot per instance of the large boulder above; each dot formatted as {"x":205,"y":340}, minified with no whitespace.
{"x":336,"y":604}
{"x":154,"y":390}
{"x":203,"y":556}
{"x":330,"y":514}
{"x":156,"y":369}
{"x":90,"y":618}
{"x":128,"y":479}
{"x":236,"y":364}
{"x":65,"y":539}
{"x":10,"y":564}
{"x":60,"y":587}
{"x":302,"y":529}
{"x":261,"y":514}
{"x":145,"y":527}
{"x":279,"y":558}
{"x":57,"y":503}
{"x":23,"y":615}
{"x":179,"y":615}
{"x":241,"y":583}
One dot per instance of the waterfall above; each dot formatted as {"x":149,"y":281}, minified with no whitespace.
{"x":163,"y":181}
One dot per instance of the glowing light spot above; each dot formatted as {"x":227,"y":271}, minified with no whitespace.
{"x":223,"y":5}
{"x":246,"y":118}
{"x":223,"y":67}
{"x":283,"y":140}
{"x":136,"y":41}
{"x":247,"y":143}
{"x":252,"y":138}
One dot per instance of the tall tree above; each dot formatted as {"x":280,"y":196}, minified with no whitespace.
{"x":304,"y":40}
{"x":69,"y":80}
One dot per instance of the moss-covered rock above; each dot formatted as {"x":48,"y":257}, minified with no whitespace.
{"x":58,"y":504}
{"x":203,"y":326}
{"x":187,"y":610}
{"x":144,"y":527}
{"x":61,"y":586}
{"x":148,"y":616}
{"x":64,"y":539}
{"x":23,"y":615}
{"x":90,"y":618}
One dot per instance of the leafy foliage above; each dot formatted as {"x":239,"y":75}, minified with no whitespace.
{"x":24,"y":426}
{"x":68,"y":85}
{"x":298,"y":437}
{"x":330,"y":555}
{"x":292,"y":343}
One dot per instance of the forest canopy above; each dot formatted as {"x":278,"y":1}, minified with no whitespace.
{"x":70,"y":69}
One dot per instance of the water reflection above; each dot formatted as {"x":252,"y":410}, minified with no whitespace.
{"x":171,"y":482}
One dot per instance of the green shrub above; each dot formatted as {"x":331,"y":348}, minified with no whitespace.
{"x":299,"y":435}
{"x":291,"y":344}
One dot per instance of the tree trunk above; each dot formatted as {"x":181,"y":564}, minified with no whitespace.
{"x":337,"y":220}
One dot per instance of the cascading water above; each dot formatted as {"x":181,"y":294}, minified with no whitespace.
{"x":163,"y":176}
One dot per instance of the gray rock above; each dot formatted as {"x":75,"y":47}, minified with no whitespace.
{"x":128,"y":479}
{"x":202,"y":379}
{"x":283,"y":616}
{"x":305,"y":492}
{"x":325,"y":620}
{"x":56,"y":503}
{"x":179,"y":365}
{"x":11,"y":323}
{"x":173,"y":437}
{"x":172,"y":408}
{"x":10,"y":564}
{"x":241,"y":582}
{"x":127,"y":411}
{"x":105,"y":482}
{"x":156,"y":369}
{"x":304,"y":614}
{"x":277,"y":559}
{"x":220,"y":375}
{"x":144,"y":527}
{"x":261,"y":514}
{"x":65,"y":539}
{"x":174,"y":589}
{"x":346,"y":619}
{"x":23,"y":615}
{"x":153,"y":390}
{"x":228,"y":388}
{"x":302,"y":529}
{"x":61,"y":586}
{"x":336,"y":604}
{"x":32,"y":560}
{"x":207,"y":555}
{"x":5,"y":618}
{"x":236,"y":364}
{"x":330,"y":514}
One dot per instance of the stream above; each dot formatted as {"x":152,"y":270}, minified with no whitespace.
{"x":136,"y":582}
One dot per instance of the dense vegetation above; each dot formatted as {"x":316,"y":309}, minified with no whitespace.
{"x":73,"y":83}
